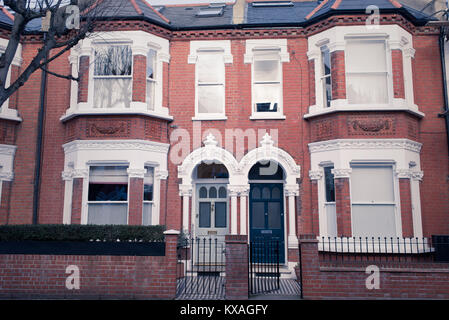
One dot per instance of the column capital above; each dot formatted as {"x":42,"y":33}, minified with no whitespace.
{"x":185,"y":190}
{"x":67,"y":175}
{"x":291,"y":190}
{"x":80,"y":173}
{"x":315,"y":174}
{"x":238,"y":190}
{"x":161,"y":174}
{"x":341,"y":173}
{"x":136,"y":173}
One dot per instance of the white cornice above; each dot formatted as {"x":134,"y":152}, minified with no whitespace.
{"x":123,"y":145}
{"x":340,"y":144}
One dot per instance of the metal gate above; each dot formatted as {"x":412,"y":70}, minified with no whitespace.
{"x":201,"y":267}
{"x":264,"y":275}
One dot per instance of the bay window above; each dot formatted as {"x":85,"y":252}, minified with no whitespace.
{"x":108,"y":195}
{"x":366,"y":71}
{"x":113,"y":76}
{"x":267,"y":86}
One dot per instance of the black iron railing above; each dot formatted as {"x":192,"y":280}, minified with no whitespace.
{"x":264,"y":274}
{"x":391,"y":249}
{"x":201,"y":266}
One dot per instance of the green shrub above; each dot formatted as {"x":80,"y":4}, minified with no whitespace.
{"x":57,"y":232}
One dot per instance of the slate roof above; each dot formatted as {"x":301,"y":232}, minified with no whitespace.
{"x":5,"y":17}
{"x":298,"y":13}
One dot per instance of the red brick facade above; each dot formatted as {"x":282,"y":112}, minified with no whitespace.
{"x":178,"y":95}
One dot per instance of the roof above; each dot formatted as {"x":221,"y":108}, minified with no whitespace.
{"x":257,"y":12}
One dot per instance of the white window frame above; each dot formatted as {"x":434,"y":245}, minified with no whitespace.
{"x":324,"y":76}
{"x":149,"y":202}
{"x":95,"y":77}
{"x":7,"y":153}
{"x":252,"y":47}
{"x":335,"y":38}
{"x":222,"y":48}
{"x":141,"y":42}
{"x":89,"y":202}
{"x":81,"y":154}
{"x":5,"y":111}
{"x":403,"y":154}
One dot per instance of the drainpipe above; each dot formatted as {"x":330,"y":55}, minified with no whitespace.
{"x":445,"y":114}
{"x":40,"y":125}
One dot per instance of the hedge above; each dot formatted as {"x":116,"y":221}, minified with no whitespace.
{"x":57,"y":232}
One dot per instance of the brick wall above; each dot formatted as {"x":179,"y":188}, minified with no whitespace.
{"x":109,"y":277}
{"x":348,"y":281}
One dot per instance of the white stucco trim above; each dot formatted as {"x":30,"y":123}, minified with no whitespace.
{"x":141,"y":42}
{"x":136,"y":154}
{"x":402,"y":154}
{"x":335,"y":38}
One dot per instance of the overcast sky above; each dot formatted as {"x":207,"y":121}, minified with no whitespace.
{"x":159,"y":2}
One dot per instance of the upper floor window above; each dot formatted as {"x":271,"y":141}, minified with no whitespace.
{"x":354,"y":68}
{"x":266,"y":57}
{"x":210,"y":57}
{"x":267,"y":87}
{"x":151,"y":77}
{"x":113,"y":76}
{"x":326,"y":79}
{"x":210,"y":83}
{"x":366,"y":71}
{"x":148,"y":182}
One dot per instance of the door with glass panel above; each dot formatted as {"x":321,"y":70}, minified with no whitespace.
{"x":267,"y":214}
{"x":212,"y":210}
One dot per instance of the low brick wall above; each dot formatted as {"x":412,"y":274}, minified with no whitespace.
{"x":100,"y":277}
{"x":348,"y":280}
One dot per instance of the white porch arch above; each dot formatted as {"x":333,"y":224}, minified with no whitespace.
{"x":238,"y":179}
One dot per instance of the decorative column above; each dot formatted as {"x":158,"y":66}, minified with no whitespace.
{"x":79,"y":196}
{"x":343,"y":202}
{"x":158,"y":194}
{"x":317,"y":203}
{"x":405,"y":195}
{"x":135,"y":201}
{"x":233,"y":193}
{"x":416,"y":178}
{"x":291,"y":191}
{"x":243,"y":214}
{"x":185,"y":191}
{"x":67,"y":177}
{"x":242,"y":192}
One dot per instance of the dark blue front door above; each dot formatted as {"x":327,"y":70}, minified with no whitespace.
{"x":266,"y":209}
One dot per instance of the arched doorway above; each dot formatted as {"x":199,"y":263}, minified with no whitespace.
{"x":211,"y":208}
{"x":266,"y":204}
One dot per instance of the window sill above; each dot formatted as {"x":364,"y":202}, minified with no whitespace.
{"x":315,"y":111}
{"x":150,"y":113}
{"x":9,"y":114}
{"x":209,"y":118}
{"x":259,"y":116}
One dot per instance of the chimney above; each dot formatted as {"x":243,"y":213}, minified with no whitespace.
{"x":238,"y":12}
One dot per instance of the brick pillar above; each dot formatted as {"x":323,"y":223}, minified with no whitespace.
{"x":398,"y":73}
{"x":236,"y":286}
{"x":315,"y":214}
{"x":168,"y":282}
{"x":165,"y":79}
{"x":5,"y":187}
{"x":15,"y":72}
{"x":343,"y":207}
{"x":406,"y":207}
{"x":77,"y":200}
{"x":312,"y":96}
{"x":310,"y":265}
{"x":83,"y":75}
{"x":135,"y":201}
{"x":139,"y":78}
{"x":338,"y":75}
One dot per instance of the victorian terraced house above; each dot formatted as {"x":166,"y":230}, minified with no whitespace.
{"x":270,"y":119}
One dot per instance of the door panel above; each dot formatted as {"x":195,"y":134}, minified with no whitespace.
{"x":267,"y":217}
{"x":204,"y":212}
